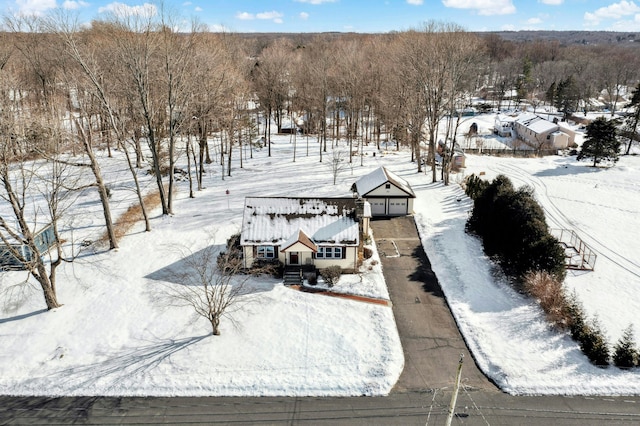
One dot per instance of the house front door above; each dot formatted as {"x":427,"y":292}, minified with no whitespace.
{"x":294,"y":258}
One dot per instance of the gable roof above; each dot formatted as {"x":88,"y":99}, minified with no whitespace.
{"x":536,"y":124}
{"x":284,"y":221}
{"x":302,"y":238}
{"x":379,"y":177}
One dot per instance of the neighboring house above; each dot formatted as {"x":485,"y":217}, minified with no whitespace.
{"x":313,"y":232}
{"x":387,"y":193}
{"x":503,"y":125}
{"x":534,"y":130}
{"x":13,"y":255}
{"x":539,"y":133}
{"x":570,"y":135}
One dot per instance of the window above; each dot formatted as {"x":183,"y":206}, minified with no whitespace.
{"x":266,"y":252}
{"x":329,"y":253}
{"x":388,"y":186}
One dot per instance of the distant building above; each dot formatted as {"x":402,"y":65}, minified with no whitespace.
{"x":16,"y":254}
{"x":503,"y":125}
{"x":539,"y":133}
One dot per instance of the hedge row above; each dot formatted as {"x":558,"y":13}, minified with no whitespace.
{"x":513,"y":228}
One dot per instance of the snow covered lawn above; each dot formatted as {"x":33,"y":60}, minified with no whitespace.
{"x":116,"y":336}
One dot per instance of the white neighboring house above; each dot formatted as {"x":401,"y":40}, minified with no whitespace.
{"x":539,"y":133}
{"x":503,"y":125}
{"x":304,"y":232}
{"x":387,"y":193}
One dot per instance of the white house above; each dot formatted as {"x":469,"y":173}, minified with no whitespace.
{"x":387,"y":193}
{"x":314,"y":232}
{"x":538,"y":133}
{"x":503,"y":125}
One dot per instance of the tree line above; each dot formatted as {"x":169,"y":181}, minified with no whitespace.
{"x":154,"y":90}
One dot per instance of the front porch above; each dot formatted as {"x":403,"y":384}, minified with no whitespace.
{"x":294,"y":274}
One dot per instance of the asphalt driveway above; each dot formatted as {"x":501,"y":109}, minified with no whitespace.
{"x":430,"y":338}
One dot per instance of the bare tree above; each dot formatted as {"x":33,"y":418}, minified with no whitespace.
{"x":31,"y":233}
{"x":271,"y":83}
{"x":337,"y":163}
{"x":137,"y":49}
{"x":177,"y":55}
{"x":209,"y":282}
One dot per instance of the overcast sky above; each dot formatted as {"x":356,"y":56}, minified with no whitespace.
{"x":364,"y":15}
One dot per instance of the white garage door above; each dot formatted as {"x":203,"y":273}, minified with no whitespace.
{"x":397,"y":206}
{"x":378,"y":206}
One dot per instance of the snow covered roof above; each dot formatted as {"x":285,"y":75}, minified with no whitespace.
{"x":378,"y":177}
{"x":284,"y":221}
{"x":536,"y":124}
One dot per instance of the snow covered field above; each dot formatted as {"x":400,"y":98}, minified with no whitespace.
{"x":113,"y":337}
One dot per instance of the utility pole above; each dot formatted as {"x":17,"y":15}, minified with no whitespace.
{"x":454,"y":397}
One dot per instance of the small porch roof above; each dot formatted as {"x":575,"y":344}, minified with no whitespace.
{"x":302,"y":238}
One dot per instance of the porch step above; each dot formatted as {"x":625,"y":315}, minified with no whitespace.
{"x":292,"y":277}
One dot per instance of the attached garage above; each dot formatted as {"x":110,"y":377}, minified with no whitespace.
{"x":387,"y":193}
{"x":398,"y":206}
{"x":378,"y":206}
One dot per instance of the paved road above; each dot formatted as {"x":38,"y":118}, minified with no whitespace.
{"x":430,"y":338}
{"x":400,"y":408}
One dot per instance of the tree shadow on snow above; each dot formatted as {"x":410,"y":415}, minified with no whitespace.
{"x":571,"y":169}
{"x":23,"y":316}
{"x":191,"y":264}
{"x":106,"y":376}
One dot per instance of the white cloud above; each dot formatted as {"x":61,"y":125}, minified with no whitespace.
{"x":245,"y":16}
{"x":120,"y":9}
{"x":552,"y":2}
{"x":198,"y":9}
{"x":415,"y":2}
{"x":315,"y":1}
{"x":73,"y":4}
{"x":269,"y":15}
{"x":613,"y":11}
{"x":187,"y":3}
{"x":304,"y":15}
{"x":484,"y":7}
{"x":626,"y":25}
{"x":272,"y":16}
{"x":534,"y":21}
{"x":34,"y":7}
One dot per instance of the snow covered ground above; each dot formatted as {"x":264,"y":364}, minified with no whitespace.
{"x":506,"y":331}
{"x":114,"y":337}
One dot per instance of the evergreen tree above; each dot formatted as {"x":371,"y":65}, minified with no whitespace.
{"x":593,"y":344}
{"x":625,"y":354}
{"x":601,"y":142}
{"x":567,"y":96}
{"x":551,"y":94}
{"x":513,"y":228}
